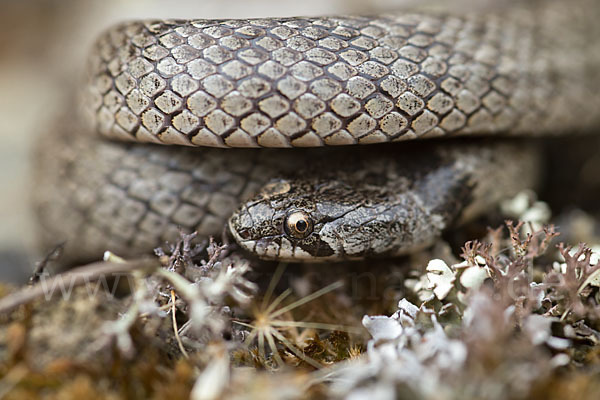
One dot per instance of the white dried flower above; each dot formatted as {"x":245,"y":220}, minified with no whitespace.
{"x":441,"y":278}
{"x":537,"y":328}
{"x":517,"y":205}
{"x":524,"y":207}
{"x":407,"y":312}
{"x":473,"y":277}
{"x":538,"y":214}
{"x":383,"y":391}
{"x":382,"y":328}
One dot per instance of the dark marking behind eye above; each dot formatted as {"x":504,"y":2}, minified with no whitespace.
{"x":316,"y":247}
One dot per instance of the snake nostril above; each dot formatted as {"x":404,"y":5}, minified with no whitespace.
{"x":244,"y":233}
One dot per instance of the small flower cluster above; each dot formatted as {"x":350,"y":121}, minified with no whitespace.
{"x":510,"y":320}
{"x":203,"y":284}
{"x":492,"y":327}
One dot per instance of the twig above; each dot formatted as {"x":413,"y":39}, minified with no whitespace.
{"x":76,"y":277}
{"x":40,"y":267}
{"x":175,"y":328}
{"x":12,"y":379}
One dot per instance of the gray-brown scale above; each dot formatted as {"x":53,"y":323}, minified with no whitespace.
{"x":530,"y":70}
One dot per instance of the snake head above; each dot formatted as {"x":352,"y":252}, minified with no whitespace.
{"x":314,"y":220}
{"x":283,"y":222}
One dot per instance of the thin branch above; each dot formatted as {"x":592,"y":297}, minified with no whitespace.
{"x":273,"y":348}
{"x":274,"y":281}
{"x":297,"y":352}
{"x":278,"y":300}
{"x":318,"y":325}
{"x":54,"y":254}
{"x":175,"y":329}
{"x":307,"y":299}
{"x":77,"y":277}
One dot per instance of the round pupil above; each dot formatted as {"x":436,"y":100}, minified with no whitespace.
{"x":301,"y":225}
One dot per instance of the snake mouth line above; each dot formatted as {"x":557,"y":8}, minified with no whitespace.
{"x":274,"y":251}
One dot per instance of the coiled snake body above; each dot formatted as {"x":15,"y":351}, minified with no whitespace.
{"x":526,"y":71}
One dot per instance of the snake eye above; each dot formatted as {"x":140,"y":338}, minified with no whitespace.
{"x":298,"y":224}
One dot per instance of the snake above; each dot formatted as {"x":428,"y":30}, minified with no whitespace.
{"x":298,"y":136}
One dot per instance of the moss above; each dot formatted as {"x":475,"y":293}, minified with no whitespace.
{"x":528,"y":327}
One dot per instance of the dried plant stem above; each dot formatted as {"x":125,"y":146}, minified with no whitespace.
{"x":319,"y":325}
{"x":76,"y":277}
{"x":12,"y":378}
{"x":307,"y":299}
{"x":175,"y":328}
{"x":274,"y":281}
